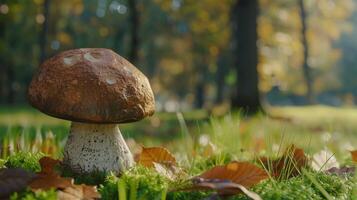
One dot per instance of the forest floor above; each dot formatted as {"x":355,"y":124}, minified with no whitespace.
{"x":199,"y":143}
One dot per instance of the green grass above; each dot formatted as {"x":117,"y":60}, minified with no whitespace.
{"x":143,"y":183}
{"x":200,"y":142}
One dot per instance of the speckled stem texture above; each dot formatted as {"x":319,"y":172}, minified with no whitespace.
{"x":96,"y":147}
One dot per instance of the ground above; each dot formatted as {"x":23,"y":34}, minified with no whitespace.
{"x":200,"y":142}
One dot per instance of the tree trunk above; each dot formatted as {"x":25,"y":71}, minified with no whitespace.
{"x":220,"y":79}
{"x":200,"y":91}
{"x":2,"y":67}
{"x":44,"y":31}
{"x":244,"y":17}
{"x":306,"y":67}
{"x":10,"y":81}
{"x":134,"y":30}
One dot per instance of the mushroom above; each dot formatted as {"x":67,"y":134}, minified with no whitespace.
{"x":96,"y":89}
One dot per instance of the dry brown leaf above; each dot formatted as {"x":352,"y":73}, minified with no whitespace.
{"x":48,"y":165}
{"x":161,"y":169}
{"x":290,"y":164}
{"x":160,"y":155}
{"x":169,"y":171}
{"x":78,"y":192}
{"x":230,"y":179}
{"x":243,"y":173}
{"x":48,"y":178}
{"x":342,"y":171}
{"x":13,"y":180}
{"x":161,"y":160}
{"x":66,"y":189}
{"x":223,"y":187}
{"x":354,"y":155}
{"x":48,"y":181}
{"x":70,"y":193}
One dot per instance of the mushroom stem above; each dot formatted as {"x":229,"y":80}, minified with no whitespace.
{"x":96,"y":147}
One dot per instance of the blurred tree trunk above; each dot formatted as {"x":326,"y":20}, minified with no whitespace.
{"x":306,"y":67}
{"x":10,"y":75}
{"x":119,"y":40}
{"x":2,"y":83}
{"x":200,"y":91}
{"x":220,"y":78}
{"x":134,"y":30}
{"x":244,"y":17}
{"x":2,"y":67}
{"x":44,"y":31}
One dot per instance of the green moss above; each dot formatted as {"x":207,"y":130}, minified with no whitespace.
{"x":2,"y":163}
{"x":24,"y":160}
{"x":187,"y":195}
{"x":147,"y":183}
{"x":302,"y":188}
{"x":40,"y":195}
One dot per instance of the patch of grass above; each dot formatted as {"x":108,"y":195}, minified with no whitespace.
{"x":139,"y":181}
{"x":143,"y":183}
{"x":40,"y":195}
{"x":301,"y":187}
{"x":24,"y":160}
{"x":207,"y":143}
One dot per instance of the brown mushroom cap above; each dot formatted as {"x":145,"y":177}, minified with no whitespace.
{"x":91,"y":85}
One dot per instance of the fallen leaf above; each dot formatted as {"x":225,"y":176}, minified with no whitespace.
{"x":354,"y":155}
{"x":230,"y":179}
{"x":243,"y":173}
{"x":223,"y":187}
{"x":70,"y":193}
{"x":170,"y":171}
{"x":48,"y":178}
{"x":288,"y":165}
{"x":13,"y":180}
{"x":78,"y":192}
{"x":90,"y":192}
{"x":151,"y":155}
{"x":342,"y":171}
{"x":324,"y":160}
{"x":48,"y":181}
{"x":161,"y":169}
{"x":48,"y":165}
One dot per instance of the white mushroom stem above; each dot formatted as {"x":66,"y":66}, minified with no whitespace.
{"x":96,"y":147}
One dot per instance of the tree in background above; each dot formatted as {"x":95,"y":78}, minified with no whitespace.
{"x":43,"y":34}
{"x":203,"y":27}
{"x":134,"y":30}
{"x":306,"y":67}
{"x":245,"y":37}
{"x":19,"y":33}
{"x":181,"y":41}
{"x":348,"y":63}
{"x":281,"y":48}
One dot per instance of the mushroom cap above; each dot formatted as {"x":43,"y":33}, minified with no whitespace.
{"x":91,"y":85}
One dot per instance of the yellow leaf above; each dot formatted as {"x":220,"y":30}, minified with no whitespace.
{"x":160,"y":155}
{"x":354,"y":155}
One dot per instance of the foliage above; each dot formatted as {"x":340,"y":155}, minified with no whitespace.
{"x":147,"y":183}
{"x":40,"y":195}
{"x":181,"y":41}
{"x":254,"y":137}
{"x":25,"y":160}
{"x":13,"y":180}
{"x":281,"y":48}
{"x":302,"y":188}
